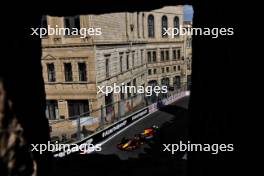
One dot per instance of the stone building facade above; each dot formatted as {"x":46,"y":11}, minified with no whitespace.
{"x":188,"y":52}
{"x":130,"y":50}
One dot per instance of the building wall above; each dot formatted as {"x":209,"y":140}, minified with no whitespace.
{"x":159,"y":43}
{"x":170,"y":12}
{"x":122,"y":35}
{"x":74,"y":90}
{"x":113,"y":27}
{"x":135,"y":71}
{"x":188,"y":49}
{"x":163,"y":64}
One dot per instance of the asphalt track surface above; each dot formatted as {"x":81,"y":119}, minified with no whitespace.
{"x":173,"y":121}
{"x":158,"y":118}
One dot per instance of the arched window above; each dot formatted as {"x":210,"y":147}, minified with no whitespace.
{"x":176,"y":24}
{"x":151,"y":31}
{"x":164,"y":26}
{"x":72,"y":23}
{"x":44,"y":23}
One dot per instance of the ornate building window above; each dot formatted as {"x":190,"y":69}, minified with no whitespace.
{"x":176,"y":24}
{"x":151,"y":31}
{"x":164,"y":26}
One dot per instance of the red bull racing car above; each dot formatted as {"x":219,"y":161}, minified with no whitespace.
{"x":149,"y":133}
{"x":139,"y":139}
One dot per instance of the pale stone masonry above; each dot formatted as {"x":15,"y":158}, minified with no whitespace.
{"x":188,"y":52}
{"x":124,"y":53}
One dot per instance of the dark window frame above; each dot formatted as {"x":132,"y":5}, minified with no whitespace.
{"x":78,"y":108}
{"x":149,"y":72}
{"x":82,"y":70}
{"x":128,"y":92}
{"x":174,"y":54}
{"x":176,"y":23}
{"x":52,"y":109}
{"x":44,"y":23}
{"x":154,"y":56}
{"x":71,"y":22}
{"x":149,"y":56}
{"x":68,"y":72}
{"x":51,"y":72}
{"x":178,"y":54}
{"x":127,"y":61}
{"x":107,"y":66}
{"x":151,"y":26}
{"x":162,"y":55}
{"x":167,"y":55}
{"x":164,"y":26}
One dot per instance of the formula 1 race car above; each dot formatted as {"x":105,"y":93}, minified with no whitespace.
{"x":139,"y":139}
{"x":149,"y":133}
{"x":129,"y":144}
